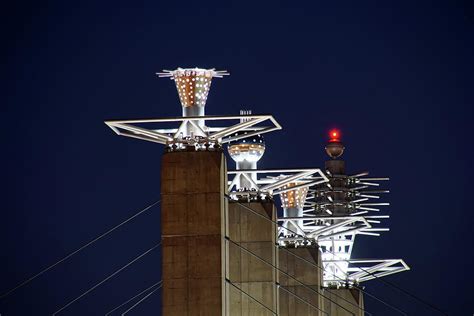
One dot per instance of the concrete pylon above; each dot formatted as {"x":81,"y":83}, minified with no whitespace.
{"x":252,"y":259}
{"x":343,"y":302}
{"x":193,"y":187}
{"x":300,"y":281}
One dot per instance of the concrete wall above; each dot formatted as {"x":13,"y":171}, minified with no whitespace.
{"x":197,"y":259}
{"x":192,"y":218}
{"x":253,"y":276}
{"x":343,"y":302}
{"x":298,"y":267}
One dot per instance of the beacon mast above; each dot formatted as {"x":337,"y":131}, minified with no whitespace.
{"x":342,"y":209}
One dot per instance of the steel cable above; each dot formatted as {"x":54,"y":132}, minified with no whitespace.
{"x":250,"y":296}
{"x":107,"y":278}
{"x":142,"y":300}
{"x":77,"y":250}
{"x":288,"y":275}
{"x":134,"y":297}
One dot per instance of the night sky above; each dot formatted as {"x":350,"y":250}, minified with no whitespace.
{"x":395,"y":77}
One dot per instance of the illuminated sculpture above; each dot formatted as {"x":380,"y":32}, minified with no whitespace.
{"x":293,"y":202}
{"x":338,"y":214}
{"x":195,"y":131}
{"x":246,"y":152}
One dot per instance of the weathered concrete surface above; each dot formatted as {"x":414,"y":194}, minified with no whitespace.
{"x":300,"y":281}
{"x":192,"y":218}
{"x":256,"y":277}
{"x":197,"y":259}
{"x":343,"y":302}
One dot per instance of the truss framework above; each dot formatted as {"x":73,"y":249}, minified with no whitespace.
{"x":204,"y":137}
{"x":335,"y":234}
{"x":319,"y":229}
{"x":361,"y":270}
{"x":273,"y":182}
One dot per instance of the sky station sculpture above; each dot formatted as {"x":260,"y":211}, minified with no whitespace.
{"x":328,"y":210}
{"x":323,"y":210}
{"x":195,"y":128}
{"x":339,"y":211}
{"x":331,"y":213}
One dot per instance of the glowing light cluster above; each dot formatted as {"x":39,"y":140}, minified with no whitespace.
{"x":193,"y":90}
{"x":293,"y":198}
{"x":251,"y":152}
{"x":193,"y":84}
{"x":249,"y":149}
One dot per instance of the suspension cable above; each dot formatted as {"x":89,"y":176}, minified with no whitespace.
{"x":250,"y":296}
{"x":419,"y":299}
{"x":159,"y":283}
{"x":142,"y":300}
{"x":77,"y":250}
{"x":303,"y":300}
{"x":387,"y":304}
{"x":361,"y":289}
{"x":288,"y":275}
{"x":106,"y":279}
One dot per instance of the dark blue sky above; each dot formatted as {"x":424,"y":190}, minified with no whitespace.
{"x":395,"y":77}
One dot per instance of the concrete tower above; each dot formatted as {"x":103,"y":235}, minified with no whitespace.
{"x":252,"y":233}
{"x":196,"y":222}
{"x":300,"y":277}
{"x":193,"y":208}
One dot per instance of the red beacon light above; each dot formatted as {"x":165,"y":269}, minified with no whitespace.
{"x":334,"y":148}
{"x":334,"y":136}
